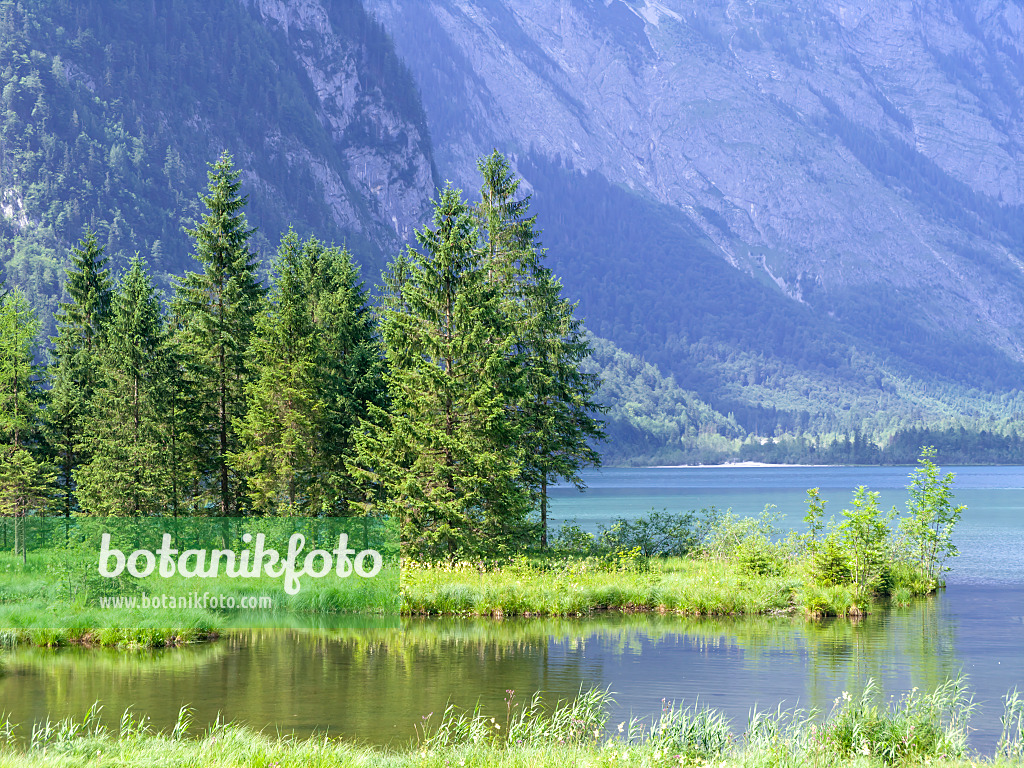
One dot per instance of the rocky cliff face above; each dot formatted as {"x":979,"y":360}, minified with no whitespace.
{"x":389,"y":175}
{"x":834,"y":150}
{"x":109,"y":116}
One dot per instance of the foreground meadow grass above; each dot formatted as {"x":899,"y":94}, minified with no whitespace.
{"x":928,"y":729}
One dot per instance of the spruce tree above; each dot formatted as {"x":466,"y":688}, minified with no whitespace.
{"x":19,"y":376}
{"x":316,"y":366}
{"x":77,"y":347}
{"x":219,"y":309}
{"x":183,"y":415}
{"x":557,"y":410}
{"x":26,"y":480}
{"x":443,"y":459}
{"x":125,"y":433}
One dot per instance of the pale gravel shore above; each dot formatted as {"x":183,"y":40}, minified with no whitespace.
{"x":738,"y":464}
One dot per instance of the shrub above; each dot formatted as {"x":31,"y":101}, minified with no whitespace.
{"x":570,"y":539}
{"x":727,"y":532}
{"x":830,"y":564}
{"x":658,"y":534}
{"x":757,"y":555}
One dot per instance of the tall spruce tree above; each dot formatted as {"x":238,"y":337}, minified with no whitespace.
{"x":187,"y":438}
{"x":125,"y":434}
{"x":443,"y":459}
{"x":79,"y":343}
{"x":26,"y":480}
{"x":316,"y":366}
{"x":557,"y":411}
{"x":219,"y":309}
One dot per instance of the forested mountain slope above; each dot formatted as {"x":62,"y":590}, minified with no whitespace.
{"x":809,"y":213}
{"x":781,"y":218}
{"x":111,"y":110}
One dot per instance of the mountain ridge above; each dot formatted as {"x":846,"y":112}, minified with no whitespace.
{"x":806,"y":219}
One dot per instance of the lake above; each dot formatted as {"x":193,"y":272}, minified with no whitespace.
{"x":375,"y":680}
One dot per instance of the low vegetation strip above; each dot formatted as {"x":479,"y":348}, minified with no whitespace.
{"x":577,"y":586}
{"x":695,"y":563}
{"x":708,"y":563}
{"x":929,"y":728}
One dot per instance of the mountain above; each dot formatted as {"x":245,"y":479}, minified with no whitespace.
{"x":812,"y":214}
{"x":111,"y":109}
{"x":778,"y":219}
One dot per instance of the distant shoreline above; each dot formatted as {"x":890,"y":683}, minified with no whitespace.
{"x":739,"y":464}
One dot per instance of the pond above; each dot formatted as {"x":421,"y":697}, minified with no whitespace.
{"x":374,"y":680}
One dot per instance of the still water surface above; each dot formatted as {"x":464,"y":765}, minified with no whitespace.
{"x":374,"y":681}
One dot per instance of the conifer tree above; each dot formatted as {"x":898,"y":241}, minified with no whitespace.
{"x":125,"y":433}
{"x":557,"y":410}
{"x":443,"y":459}
{"x":26,"y":480}
{"x":219,"y":308}
{"x":316,"y":366}
{"x":77,"y":348}
{"x":183,"y":413}
{"x":19,"y":375}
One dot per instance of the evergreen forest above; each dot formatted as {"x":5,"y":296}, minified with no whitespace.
{"x":451,"y":403}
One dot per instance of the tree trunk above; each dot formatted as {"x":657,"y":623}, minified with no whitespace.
{"x":544,"y":512}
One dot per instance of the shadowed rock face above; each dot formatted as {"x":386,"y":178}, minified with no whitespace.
{"x":827,"y":148}
{"x":322,"y":120}
{"x":387,"y":164}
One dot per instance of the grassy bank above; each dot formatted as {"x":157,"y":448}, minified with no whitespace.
{"x":540,"y":587}
{"x":919,"y":729}
{"x":575,"y":586}
{"x":709,"y":563}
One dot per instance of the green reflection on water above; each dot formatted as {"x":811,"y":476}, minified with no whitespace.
{"x":374,"y":682}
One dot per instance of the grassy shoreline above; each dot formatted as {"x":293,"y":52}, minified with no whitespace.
{"x":929,"y":728}
{"x":579,"y":586}
{"x":539,"y":588}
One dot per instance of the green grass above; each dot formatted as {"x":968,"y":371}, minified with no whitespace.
{"x":920,"y":729}
{"x":549,"y":586}
{"x":52,"y":600}
{"x":571,"y":585}
{"x":578,"y":586}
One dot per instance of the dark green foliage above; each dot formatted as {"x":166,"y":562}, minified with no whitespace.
{"x":557,"y":406}
{"x":444,"y":460}
{"x":183,"y":413}
{"x":20,"y":377}
{"x":830,"y":565}
{"x":760,"y":556}
{"x":218,"y":310}
{"x":658,"y":534}
{"x":571,"y":539}
{"x":125,"y":433}
{"x":78,"y":348}
{"x":25,"y":477}
{"x":316,"y":366}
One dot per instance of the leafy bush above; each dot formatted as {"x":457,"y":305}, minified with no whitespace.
{"x":829,"y":563}
{"x":727,"y":532}
{"x":757,"y":555}
{"x":571,"y":539}
{"x":659,"y":534}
